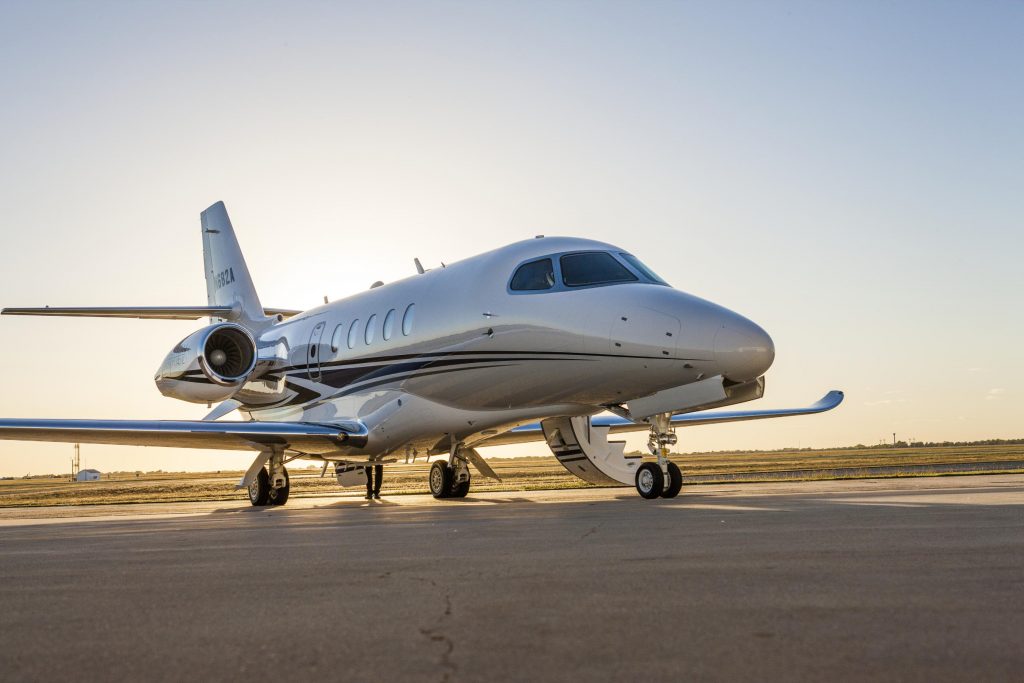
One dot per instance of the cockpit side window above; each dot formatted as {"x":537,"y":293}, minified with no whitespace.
{"x":533,"y":276}
{"x":593,"y":268}
{"x":639,"y":267}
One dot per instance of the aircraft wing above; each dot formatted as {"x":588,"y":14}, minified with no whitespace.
{"x":305,"y":437}
{"x":145,"y":312}
{"x":533,"y":432}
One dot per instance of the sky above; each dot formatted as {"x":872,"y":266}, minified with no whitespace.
{"x":848,"y":175}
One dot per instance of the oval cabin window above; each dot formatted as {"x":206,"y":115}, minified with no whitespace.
{"x":353,"y":333}
{"x":371,"y":322}
{"x":407,"y":319}
{"x":389,"y":324}
{"x":336,"y":338}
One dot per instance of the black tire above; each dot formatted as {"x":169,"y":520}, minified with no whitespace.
{"x":440,"y":480}
{"x":280,"y":496}
{"x":675,"y":481}
{"x":462,"y":488}
{"x":259,"y":489}
{"x":650,"y":482}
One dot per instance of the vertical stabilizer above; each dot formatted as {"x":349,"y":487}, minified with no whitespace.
{"x":228,"y":282}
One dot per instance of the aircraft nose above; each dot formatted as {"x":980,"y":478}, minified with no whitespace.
{"x":743,"y":350}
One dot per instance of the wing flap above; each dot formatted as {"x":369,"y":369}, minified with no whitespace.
{"x":314,"y":438}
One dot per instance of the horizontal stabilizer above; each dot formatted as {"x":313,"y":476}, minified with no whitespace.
{"x":305,"y":437}
{"x":144,"y":312}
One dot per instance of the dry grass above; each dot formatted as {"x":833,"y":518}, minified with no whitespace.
{"x":518,"y":474}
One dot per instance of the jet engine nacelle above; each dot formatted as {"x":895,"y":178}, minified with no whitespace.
{"x":209,"y":365}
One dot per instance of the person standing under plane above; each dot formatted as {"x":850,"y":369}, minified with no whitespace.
{"x":373,"y":487}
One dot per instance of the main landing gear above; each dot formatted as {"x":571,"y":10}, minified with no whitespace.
{"x":271,"y":484}
{"x":450,"y":479}
{"x":662,"y":478}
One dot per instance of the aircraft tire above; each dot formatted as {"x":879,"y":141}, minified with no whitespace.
{"x":650,"y":482}
{"x":280,"y":496}
{"x":440,"y":480}
{"x":259,"y":489}
{"x":675,"y":481}
{"x":461,"y":489}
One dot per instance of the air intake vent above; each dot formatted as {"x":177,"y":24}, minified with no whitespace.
{"x":229,"y":354}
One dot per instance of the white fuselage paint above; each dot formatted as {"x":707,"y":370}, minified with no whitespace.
{"x":479,"y":359}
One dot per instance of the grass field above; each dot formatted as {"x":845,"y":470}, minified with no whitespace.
{"x":517,"y":474}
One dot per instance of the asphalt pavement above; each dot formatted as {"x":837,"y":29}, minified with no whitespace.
{"x":905,"y":579}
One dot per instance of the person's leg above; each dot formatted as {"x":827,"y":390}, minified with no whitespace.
{"x":380,"y":479}
{"x":369,"y":481}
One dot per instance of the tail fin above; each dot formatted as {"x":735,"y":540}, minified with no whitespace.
{"x":229,"y":289}
{"x":228,"y":282}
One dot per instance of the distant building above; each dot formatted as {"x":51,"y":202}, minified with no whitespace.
{"x":88,"y":475}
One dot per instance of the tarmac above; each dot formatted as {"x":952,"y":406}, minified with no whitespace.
{"x":895,"y":579}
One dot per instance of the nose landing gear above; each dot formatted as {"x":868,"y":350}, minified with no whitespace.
{"x":662,"y":478}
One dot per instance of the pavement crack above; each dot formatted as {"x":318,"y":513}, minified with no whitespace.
{"x":592,"y":531}
{"x":436,"y":635}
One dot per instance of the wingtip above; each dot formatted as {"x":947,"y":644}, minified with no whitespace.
{"x":833,"y":398}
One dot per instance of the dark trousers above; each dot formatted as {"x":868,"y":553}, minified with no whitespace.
{"x":370,"y":487}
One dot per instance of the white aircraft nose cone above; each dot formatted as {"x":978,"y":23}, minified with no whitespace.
{"x":743,"y":350}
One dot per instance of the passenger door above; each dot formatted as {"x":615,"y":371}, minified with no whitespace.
{"x":315,"y":351}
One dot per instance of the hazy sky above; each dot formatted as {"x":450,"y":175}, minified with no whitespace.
{"x":850,"y":176}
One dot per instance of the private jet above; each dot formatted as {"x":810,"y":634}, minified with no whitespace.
{"x":555,"y":339}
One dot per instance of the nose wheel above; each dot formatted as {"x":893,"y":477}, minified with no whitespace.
{"x":650,"y":481}
{"x":661,"y":479}
{"x":674,"y":483}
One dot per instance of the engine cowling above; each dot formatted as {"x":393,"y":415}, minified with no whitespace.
{"x":209,"y":365}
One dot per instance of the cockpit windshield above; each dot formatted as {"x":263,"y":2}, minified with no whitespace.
{"x":593,"y":268}
{"x":579,"y":269}
{"x":641,"y":268}
{"x":533,"y":276}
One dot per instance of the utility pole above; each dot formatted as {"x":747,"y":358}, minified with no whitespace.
{"x":894,"y":439}
{"x":76,"y":463}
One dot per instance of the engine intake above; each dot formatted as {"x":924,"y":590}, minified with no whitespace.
{"x":229,"y":355}
{"x":209,"y":365}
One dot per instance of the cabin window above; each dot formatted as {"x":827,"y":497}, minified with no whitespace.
{"x":336,"y":338}
{"x":593,"y":268}
{"x":353,"y":334}
{"x":389,"y":324}
{"x":410,"y":312}
{"x":371,"y":323}
{"x":535,"y":275}
{"x":641,"y":268}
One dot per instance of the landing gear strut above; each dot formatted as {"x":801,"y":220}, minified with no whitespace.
{"x":662,"y":478}
{"x":450,"y":479}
